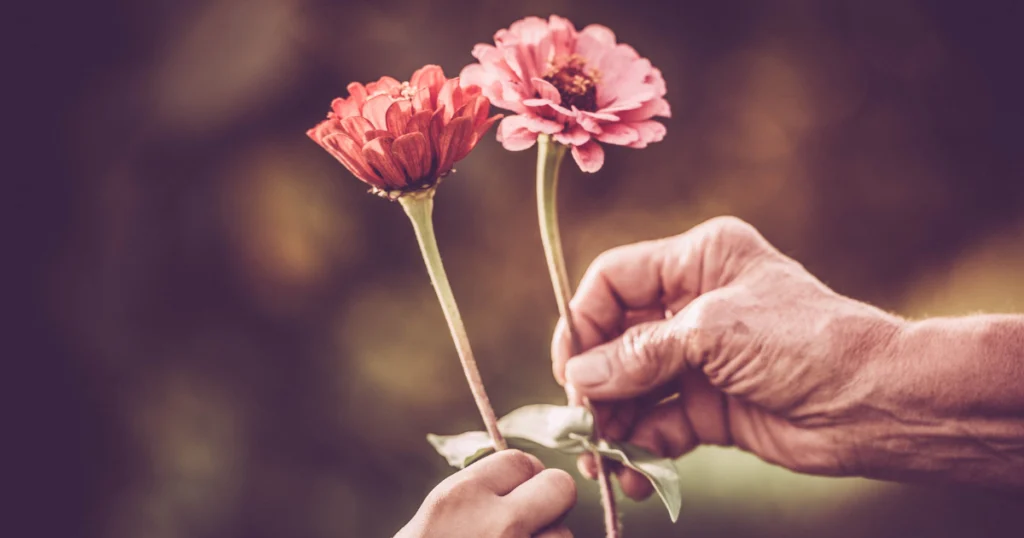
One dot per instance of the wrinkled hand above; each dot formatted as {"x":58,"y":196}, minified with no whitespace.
{"x":506,"y":495}
{"x":713,"y":336}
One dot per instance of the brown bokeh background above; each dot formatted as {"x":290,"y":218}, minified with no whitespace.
{"x":234,"y":340}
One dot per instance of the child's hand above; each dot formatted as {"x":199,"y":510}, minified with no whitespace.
{"x":505,"y":495}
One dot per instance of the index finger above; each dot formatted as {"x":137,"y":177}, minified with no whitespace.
{"x":663,"y":274}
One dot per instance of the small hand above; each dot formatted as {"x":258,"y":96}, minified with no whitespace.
{"x":506,"y":495}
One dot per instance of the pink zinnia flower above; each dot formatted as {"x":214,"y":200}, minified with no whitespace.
{"x":403,"y":137}
{"x":579,"y":87}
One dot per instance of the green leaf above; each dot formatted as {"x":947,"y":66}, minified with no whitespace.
{"x":567,"y":430}
{"x":662,"y":473}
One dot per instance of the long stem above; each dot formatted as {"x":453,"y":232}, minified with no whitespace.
{"x":419,"y":207}
{"x":549,"y":160}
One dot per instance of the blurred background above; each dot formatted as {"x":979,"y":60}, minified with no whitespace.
{"x":231,"y":339}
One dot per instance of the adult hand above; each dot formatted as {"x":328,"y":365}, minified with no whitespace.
{"x":506,"y":495}
{"x":713,"y":336}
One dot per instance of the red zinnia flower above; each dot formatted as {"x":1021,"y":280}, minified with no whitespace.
{"x":579,"y":87}
{"x":403,"y":137}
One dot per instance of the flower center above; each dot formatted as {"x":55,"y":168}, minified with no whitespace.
{"x":576,"y":84}
{"x":406,"y":91}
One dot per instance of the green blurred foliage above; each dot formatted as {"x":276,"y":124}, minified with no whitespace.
{"x":258,"y":337}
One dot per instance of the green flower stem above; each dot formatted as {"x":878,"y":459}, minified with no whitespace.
{"x":549,"y":160}
{"x":420,"y":207}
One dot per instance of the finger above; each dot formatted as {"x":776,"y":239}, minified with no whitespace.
{"x":541,"y":500}
{"x":624,"y":278}
{"x":634,"y":485}
{"x":560,"y":531}
{"x":665,"y":274}
{"x":644,"y":358}
{"x":502,"y":472}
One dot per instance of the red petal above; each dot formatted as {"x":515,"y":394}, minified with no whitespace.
{"x":412,"y":151}
{"x":420,"y":123}
{"x":398,"y":116}
{"x":430,"y":77}
{"x":456,"y":136}
{"x":448,"y":97}
{"x":377,"y":153}
{"x":375,"y":109}
{"x":421,"y":100}
{"x":357,"y":91}
{"x":357,"y":127}
{"x":383,"y":85}
{"x":350,"y":155}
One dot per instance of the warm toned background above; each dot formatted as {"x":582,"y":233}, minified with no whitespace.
{"x":240,"y":343}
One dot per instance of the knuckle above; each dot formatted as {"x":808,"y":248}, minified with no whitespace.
{"x":639,"y":357}
{"x":520,"y":462}
{"x":733,"y":227}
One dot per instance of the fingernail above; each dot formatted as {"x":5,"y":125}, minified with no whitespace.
{"x":588,"y":371}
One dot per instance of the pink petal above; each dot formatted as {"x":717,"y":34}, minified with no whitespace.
{"x":650,"y":131}
{"x":602,"y":34}
{"x":546,"y":90}
{"x":412,"y":152}
{"x":375,"y":109}
{"x":377,"y":153}
{"x":589,"y":156}
{"x":618,"y":134}
{"x":514,"y":136}
{"x":654,"y":107}
{"x":397,"y":116}
{"x":576,"y":136}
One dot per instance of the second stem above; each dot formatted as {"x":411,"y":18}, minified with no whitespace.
{"x":549,"y":160}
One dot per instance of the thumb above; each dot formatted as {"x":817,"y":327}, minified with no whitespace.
{"x":646,"y":356}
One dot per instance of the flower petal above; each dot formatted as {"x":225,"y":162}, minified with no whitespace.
{"x":654,"y":107}
{"x":650,"y":131}
{"x":349,"y":154}
{"x":513,"y":134}
{"x":430,"y":77}
{"x":398,"y":116}
{"x":412,"y":151}
{"x":356,"y":127}
{"x":456,"y":136}
{"x":375,"y":109}
{"x":546,"y":90}
{"x":589,"y":156}
{"x":357,"y":91}
{"x":576,"y":136}
{"x":601,"y":34}
{"x":377,"y":153}
{"x":618,"y":134}
{"x":420,"y":123}
{"x":383,"y":85}
{"x":448,"y":96}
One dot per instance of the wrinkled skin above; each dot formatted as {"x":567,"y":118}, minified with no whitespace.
{"x":715,"y":337}
{"x":506,"y":495}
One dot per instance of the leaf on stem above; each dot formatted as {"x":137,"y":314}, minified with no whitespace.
{"x":567,"y":430}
